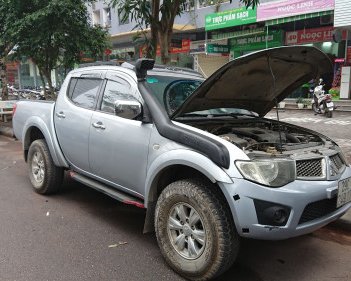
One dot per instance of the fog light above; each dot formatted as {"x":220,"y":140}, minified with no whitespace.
{"x":279,"y":216}
{"x":269,"y":213}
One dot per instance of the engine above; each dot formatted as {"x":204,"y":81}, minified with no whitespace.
{"x":270,"y":140}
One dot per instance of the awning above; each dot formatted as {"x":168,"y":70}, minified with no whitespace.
{"x":176,"y":28}
{"x":299,"y":17}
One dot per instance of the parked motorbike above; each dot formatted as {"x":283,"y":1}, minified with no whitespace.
{"x":322,"y":103}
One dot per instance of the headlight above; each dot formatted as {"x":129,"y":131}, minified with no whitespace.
{"x":272,"y":172}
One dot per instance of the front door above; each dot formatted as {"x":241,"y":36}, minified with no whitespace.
{"x":73,"y":113}
{"x":118,"y":147}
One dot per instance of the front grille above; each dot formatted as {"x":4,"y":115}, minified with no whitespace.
{"x":338,"y":162}
{"x":309,"y":168}
{"x":318,"y":209}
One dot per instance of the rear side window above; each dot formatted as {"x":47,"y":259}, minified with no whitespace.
{"x":83,"y":92}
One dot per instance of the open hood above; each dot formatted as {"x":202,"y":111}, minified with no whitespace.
{"x":248,"y":82}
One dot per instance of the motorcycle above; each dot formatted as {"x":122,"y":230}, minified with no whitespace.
{"x":322,"y":103}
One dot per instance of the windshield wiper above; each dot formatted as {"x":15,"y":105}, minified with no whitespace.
{"x":195,"y":115}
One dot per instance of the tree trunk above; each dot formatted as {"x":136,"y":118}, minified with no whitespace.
{"x":164,"y":40}
{"x":3,"y":79}
{"x":46,"y":73}
{"x":152,"y":49}
{"x":42,"y":80}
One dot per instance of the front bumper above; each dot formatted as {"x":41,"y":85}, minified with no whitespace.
{"x":296,"y":195}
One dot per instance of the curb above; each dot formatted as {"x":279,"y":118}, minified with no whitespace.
{"x":6,"y":131}
{"x":308,"y":110}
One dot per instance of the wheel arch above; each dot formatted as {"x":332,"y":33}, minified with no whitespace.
{"x":164,"y":173}
{"x":35,"y":128}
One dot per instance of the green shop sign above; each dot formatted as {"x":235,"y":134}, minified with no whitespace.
{"x":230,"y":18}
{"x":257,"y":42}
{"x":217,"y":49}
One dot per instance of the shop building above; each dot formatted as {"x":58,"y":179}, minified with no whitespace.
{"x":188,"y":27}
{"x":24,"y":74}
{"x":210,"y":33}
{"x":285,"y":22}
{"x":342,"y":22}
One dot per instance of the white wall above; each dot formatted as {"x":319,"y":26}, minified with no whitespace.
{"x":342,"y":13}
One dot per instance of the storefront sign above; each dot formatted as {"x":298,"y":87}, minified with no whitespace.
{"x":288,"y":8}
{"x":197,"y":47}
{"x":184,"y":49}
{"x":217,"y":49}
{"x":257,"y":42}
{"x":230,"y":18}
{"x":314,"y":35}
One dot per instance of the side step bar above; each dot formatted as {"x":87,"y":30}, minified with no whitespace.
{"x":110,"y":191}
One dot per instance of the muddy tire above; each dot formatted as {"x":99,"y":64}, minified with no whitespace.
{"x":329,"y":114}
{"x":45,"y":177}
{"x":195,"y":230}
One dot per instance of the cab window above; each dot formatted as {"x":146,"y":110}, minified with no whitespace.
{"x":83,"y":92}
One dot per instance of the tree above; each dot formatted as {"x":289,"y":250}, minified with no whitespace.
{"x":6,"y":44}
{"x":159,"y":16}
{"x":54,"y":33}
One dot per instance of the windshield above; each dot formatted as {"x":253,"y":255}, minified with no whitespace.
{"x":171,"y":92}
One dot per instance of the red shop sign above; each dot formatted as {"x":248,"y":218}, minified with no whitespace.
{"x":184,"y":49}
{"x":313,"y":35}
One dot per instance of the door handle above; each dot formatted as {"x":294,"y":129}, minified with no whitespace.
{"x":60,"y":114}
{"x":99,"y":125}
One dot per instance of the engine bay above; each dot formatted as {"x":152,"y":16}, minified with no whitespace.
{"x":263,"y":135}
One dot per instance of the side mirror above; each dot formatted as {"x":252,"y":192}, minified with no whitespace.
{"x":129,"y":109}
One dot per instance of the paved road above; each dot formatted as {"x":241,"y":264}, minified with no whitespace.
{"x":67,"y":237}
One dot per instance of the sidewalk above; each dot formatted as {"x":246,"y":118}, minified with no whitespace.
{"x":6,"y":129}
{"x":343,"y":106}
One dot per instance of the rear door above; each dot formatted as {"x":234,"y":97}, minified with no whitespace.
{"x":73,"y":112}
{"x":118,"y":147}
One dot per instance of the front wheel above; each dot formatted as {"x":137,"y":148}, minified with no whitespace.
{"x":45,"y":177}
{"x":314,"y":108}
{"x":195,"y":230}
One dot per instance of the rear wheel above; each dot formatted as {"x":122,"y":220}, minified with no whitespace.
{"x":45,"y":177}
{"x":195,"y":230}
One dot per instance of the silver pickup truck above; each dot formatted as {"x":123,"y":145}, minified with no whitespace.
{"x":197,"y":154}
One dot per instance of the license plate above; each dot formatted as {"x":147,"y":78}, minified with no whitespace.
{"x":344,"y":192}
{"x":330,"y":104}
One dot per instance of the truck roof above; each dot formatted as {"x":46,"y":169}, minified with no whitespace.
{"x":129,"y":67}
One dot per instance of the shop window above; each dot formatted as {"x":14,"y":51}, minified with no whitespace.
{"x":122,"y":19}
{"x":96,"y":17}
{"x":107,"y":17}
{"x":206,"y":3}
{"x":188,"y":5}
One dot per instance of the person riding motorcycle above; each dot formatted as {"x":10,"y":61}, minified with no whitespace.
{"x":317,"y":92}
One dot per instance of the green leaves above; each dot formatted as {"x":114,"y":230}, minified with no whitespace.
{"x":50,"y":32}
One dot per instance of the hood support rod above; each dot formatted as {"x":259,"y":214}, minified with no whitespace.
{"x":276,"y":101}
